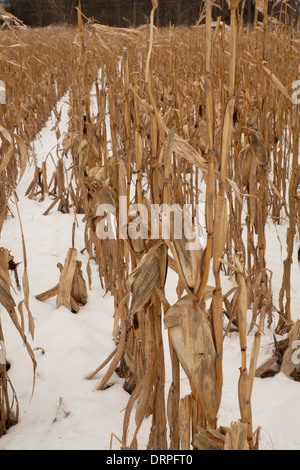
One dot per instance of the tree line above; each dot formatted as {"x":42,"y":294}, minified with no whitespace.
{"x":123,"y":13}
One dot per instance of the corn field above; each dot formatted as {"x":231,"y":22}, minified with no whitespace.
{"x":205,"y":118}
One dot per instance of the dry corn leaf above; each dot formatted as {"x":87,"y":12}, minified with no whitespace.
{"x":245,"y":163}
{"x":8,"y":303}
{"x":220,"y":231}
{"x":6,"y":298}
{"x":185,"y":242}
{"x":23,"y":154}
{"x":25,"y":281}
{"x":205,"y":379}
{"x":288,"y":364}
{"x":226,"y":136}
{"x":79,"y":288}
{"x":192,"y":341}
{"x":278,"y":83}
{"x":259,"y":149}
{"x":244,"y":397}
{"x":144,"y":278}
{"x":185,"y":423}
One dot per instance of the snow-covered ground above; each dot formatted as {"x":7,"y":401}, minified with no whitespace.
{"x":66,"y":411}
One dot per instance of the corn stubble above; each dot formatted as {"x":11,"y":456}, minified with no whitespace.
{"x":177,"y":122}
{"x":31,"y":67}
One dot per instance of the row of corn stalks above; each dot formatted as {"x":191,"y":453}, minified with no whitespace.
{"x":186,"y":115}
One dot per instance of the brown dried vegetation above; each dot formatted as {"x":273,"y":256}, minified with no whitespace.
{"x":183,"y":114}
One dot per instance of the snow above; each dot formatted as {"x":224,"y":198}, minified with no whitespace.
{"x":66,"y":411}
